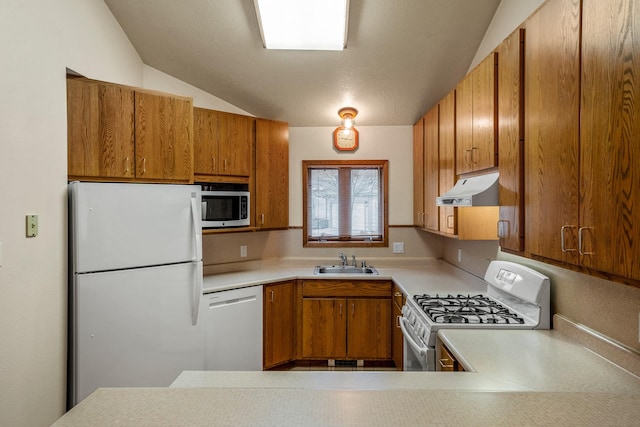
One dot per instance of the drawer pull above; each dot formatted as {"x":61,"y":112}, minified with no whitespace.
{"x":443,"y":363}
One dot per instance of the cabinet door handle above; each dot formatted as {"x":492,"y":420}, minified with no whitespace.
{"x":353,"y":309}
{"x":473,"y":158}
{"x":443,"y":363}
{"x":466,"y":158}
{"x":340,"y":309}
{"x":501,"y":233}
{"x":450,"y":221}
{"x":563,"y":246}
{"x":271,"y":296}
{"x":225,"y":164}
{"x":262,"y":219}
{"x":213,"y":164}
{"x":126,"y":164}
{"x":398,"y":321}
{"x":580,"y":251}
{"x":144,"y":165}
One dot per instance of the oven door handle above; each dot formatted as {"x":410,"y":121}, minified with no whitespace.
{"x":422,"y":351}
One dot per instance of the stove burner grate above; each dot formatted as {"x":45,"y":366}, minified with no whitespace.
{"x":477,"y":309}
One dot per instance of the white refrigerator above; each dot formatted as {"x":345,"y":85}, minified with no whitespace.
{"x":135,"y":283}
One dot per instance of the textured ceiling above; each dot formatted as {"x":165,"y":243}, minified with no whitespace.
{"x":402,"y":56}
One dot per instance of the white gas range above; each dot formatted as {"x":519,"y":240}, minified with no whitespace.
{"x":517,"y":297}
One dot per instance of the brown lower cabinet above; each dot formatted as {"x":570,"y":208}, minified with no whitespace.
{"x":447,"y":361}
{"x":279,"y":323}
{"x":345,"y":320}
{"x":397,"y":351}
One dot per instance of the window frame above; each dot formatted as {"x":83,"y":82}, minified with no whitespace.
{"x":343,"y":241}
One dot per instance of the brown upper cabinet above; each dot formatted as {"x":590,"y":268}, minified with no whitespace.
{"x":418,"y":173}
{"x":119,"y":133}
{"x":583,"y":135}
{"x":223,"y":145}
{"x":511,"y":141}
{"x":476,"y":141}
{"x":608,"y":231}
{"x":431,"y":168}
{"x":446,"y":162}
{"x":438,"y":172}
{"x":552,"y":112}
{"x":272,"y":174}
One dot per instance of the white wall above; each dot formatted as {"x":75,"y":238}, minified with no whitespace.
{"x":157,"y":80}
{"x":508,"y":16}
{"x":393,"y":143}
{"x":38,"y":40}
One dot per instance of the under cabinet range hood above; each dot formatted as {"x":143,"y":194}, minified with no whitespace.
{"x":481,"y":190}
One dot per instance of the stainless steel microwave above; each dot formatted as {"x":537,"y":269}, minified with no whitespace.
{"x":225,"y":208}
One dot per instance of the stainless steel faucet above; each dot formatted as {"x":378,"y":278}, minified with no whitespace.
{"x":353,"y":261}
{"x":343,"y":258}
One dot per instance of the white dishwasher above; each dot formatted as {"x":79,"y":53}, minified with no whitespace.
{"x":233,"y":329}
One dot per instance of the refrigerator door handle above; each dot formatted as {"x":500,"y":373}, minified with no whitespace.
{"x":197,"y":227}
{"x":197,"y":292}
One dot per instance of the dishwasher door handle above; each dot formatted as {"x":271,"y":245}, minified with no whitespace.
{"x":233,"y":301}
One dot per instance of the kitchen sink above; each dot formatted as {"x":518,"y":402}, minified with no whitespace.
{"x":337,"y":269}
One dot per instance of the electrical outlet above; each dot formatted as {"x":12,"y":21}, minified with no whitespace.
{"x":243,"y":251}
{"x":398,"y":247}
{"x":459,"y":255}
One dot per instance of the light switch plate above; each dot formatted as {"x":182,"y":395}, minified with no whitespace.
{"x":32,"y":225}
{"x":398,"y":247}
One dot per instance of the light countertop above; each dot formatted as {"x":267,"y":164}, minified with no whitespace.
{"x":433,"y":276}
{"x":312,"y":407}
{"x":538,"y":360}
{"x":519,"y":377}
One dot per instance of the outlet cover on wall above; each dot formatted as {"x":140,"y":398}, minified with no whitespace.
{"x":243,"y":251}
{"x":398,"y":247}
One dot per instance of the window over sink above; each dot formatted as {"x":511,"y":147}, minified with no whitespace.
{"x":345,"y":203}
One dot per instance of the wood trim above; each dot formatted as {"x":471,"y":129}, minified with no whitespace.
{"x":383,"y":164}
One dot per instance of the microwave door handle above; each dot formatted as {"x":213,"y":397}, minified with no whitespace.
{"x":197,"y":228}
{"x":418,"y":348}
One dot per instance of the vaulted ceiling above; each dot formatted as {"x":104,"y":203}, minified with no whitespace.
{"x":402,"y":56}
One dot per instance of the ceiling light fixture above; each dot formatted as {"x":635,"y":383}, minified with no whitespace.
{"x":348,"y":116}
{"x":303,"y":25}
{"x":346,"y":137}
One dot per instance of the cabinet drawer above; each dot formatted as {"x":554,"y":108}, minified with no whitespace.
{"x":346,"y":288}
{"x":398,"y":297}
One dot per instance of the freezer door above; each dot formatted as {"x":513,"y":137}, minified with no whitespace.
{"x":135,"y":328}
{"x":115,"y":226}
